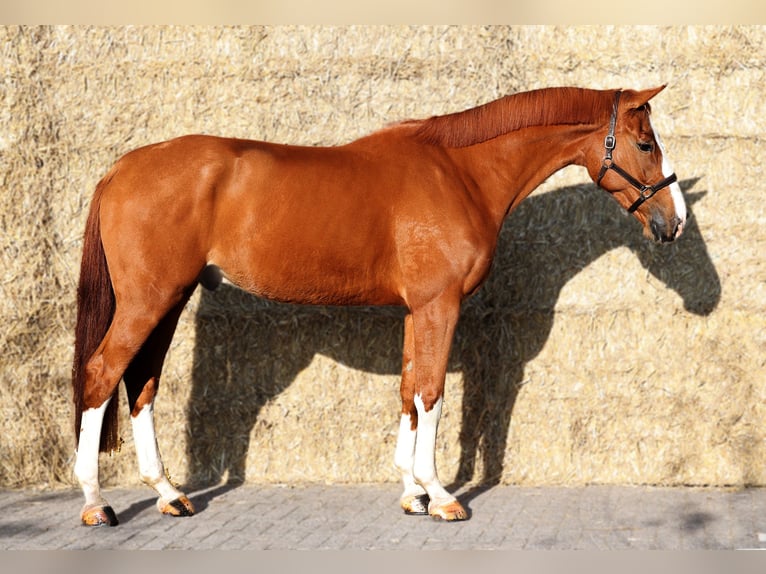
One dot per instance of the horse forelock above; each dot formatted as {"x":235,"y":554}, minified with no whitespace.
{"x":543,"y":107}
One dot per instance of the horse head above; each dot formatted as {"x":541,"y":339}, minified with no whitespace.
{"x":631,"y":164}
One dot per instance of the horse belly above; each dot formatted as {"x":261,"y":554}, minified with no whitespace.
{"x":294,"y":279}
{"x":309,"y":261}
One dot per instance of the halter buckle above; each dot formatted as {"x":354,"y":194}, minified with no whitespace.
{"x":610,"y":142}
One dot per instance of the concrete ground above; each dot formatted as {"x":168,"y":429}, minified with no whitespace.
{"x":332,"y":517}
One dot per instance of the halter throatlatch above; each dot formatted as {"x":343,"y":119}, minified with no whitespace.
{"x":644,"y":191}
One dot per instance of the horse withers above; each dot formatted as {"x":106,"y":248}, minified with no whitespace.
{"x":407,"y":216}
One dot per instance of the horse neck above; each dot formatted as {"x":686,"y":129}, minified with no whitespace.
{"x":508,"y":168}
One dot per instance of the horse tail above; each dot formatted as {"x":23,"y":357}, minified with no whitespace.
{"x":95,"y":310}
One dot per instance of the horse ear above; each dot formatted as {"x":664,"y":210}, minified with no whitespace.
{"x":637,"y":99}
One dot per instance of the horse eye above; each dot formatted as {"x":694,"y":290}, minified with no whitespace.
{"x":645,"y":147}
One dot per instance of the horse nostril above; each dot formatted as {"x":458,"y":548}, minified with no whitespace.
{"x":662,"y":230}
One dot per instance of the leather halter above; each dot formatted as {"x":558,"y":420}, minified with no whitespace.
{"x":644,"y":191}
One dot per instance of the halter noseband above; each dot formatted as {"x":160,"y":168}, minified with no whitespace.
{"x":644,"y":191}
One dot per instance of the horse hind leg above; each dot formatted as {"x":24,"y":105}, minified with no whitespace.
{"x":142,"y":379}
{"x":131,"y":325}
{"x":103,"y":373}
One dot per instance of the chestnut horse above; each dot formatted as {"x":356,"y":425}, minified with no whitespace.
{"x":407,"y":216}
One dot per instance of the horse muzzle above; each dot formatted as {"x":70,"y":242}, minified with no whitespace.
{"x":665,"y":230}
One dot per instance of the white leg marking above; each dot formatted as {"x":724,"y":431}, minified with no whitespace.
{"x":404,"y":457}
{"x":86,"y":463}
{"x":675,"y":189}
{"x":149,"y":462}
{"x":424,"y":468}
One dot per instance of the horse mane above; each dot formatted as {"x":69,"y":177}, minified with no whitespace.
{"x":543,"y":107}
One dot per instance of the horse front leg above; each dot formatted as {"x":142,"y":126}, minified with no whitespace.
{"x":414,"y":499}
{"x":432,"y":327}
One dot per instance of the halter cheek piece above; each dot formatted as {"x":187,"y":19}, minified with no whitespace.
{"x":644,"y":191}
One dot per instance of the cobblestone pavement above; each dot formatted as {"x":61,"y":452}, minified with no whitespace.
{"x":317,"y":517}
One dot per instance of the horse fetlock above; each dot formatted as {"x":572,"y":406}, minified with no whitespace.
{"x":152,"y":480}
{"x":425,"y":477}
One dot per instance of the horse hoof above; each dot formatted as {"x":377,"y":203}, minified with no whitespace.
{"x":99,"y":516}
{"x":417,"y":504}
{"x":451,"y":511}
{"x":181,"y":506}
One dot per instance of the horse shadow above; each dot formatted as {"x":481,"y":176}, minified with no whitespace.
{"x":503,"y":327}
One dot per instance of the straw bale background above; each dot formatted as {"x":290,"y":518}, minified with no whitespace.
{"x":591,"y":355}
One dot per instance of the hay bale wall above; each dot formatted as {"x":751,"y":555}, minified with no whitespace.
{"x":591,"y":355}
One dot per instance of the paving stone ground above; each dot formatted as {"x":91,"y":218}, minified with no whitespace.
{"x":366,"y":517}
